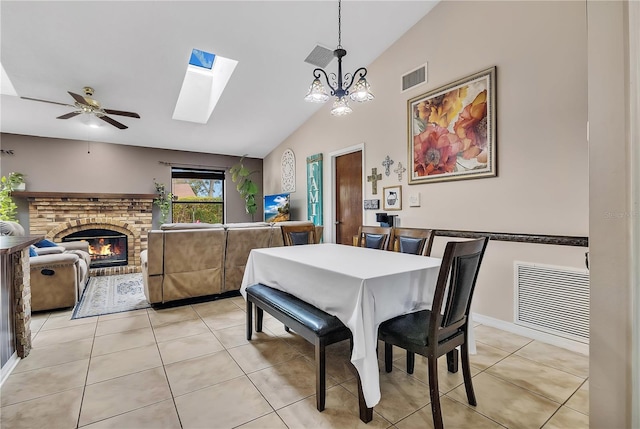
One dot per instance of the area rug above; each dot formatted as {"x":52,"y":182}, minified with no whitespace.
{"x":111,"y":294}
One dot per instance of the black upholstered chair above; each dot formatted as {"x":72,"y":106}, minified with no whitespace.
{"x":435,"y":333}
{"x":373,"y":237}
{"x":294,"y":235}
{"x":416,"y":241}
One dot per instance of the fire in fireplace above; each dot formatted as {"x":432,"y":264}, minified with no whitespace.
{"x":107,"y":248}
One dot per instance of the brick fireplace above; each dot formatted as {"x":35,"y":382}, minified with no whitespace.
{"x":57,"y":215}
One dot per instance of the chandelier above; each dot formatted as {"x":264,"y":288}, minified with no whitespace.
{"x":341,"y":85}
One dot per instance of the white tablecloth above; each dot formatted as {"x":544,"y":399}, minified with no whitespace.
{"x":362,"y":287}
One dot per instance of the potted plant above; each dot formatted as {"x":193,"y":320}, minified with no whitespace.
{"x":163,"y":201}
{"x":8,"y":208}
{"x":16,"y":181}
{"x":247,"y":188}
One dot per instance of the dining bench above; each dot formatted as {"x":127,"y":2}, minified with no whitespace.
{"x":314,"y":325}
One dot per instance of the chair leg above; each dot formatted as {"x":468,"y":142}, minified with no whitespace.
{"x":466,"y":373}
{"x":249,"y":319}
{"x":366,"y":413}
{"x":388,"y":357}
{"x":452,"y":361}
{"x":411,"y":362}
{"x":321,"y":385}
{"x":259,"y":316}
{"x":435,"y":394}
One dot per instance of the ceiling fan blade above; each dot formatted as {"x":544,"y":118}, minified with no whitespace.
{"x":68,"y":115}
{"x":46,"y":101}
{"x":113,"y":122}
{"x":79,"y":98}
{"x":121,"y":113}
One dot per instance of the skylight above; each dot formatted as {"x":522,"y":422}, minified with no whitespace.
{"x":6,"y":87}
{"x":206,"y":77}
{"x":202,"y":59}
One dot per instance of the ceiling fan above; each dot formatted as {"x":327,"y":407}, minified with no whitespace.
{"x":88,"y":105}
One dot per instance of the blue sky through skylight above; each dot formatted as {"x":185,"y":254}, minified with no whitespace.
{"x":201,"y":59}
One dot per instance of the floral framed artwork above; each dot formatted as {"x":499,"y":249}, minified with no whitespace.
{"x":392,"y":198}
{"x":452,"y":130}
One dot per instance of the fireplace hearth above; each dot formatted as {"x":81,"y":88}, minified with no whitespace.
{"x":107,"y":248}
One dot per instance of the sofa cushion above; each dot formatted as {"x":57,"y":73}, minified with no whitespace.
{"x":194,"y":225}
{"x":45,"y":243}
{"x":193,"y":263}
{"x":293,"y":223}
{"x":53,"y":250}
{"x":8,"y":227}
{"x":246,"y":225}
{"x":240,"y":242}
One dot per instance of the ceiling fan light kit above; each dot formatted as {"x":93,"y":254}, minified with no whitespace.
{"x":340,"y":90}
{"x":89,"y":106}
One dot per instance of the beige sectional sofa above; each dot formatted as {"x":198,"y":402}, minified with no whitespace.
{"x":196,"y":259}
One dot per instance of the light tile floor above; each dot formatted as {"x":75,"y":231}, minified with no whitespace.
{"x":191,"y":367}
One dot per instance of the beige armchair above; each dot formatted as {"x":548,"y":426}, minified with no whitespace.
{"x":58,"y":274}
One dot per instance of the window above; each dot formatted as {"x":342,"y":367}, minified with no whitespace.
{"x":198,"y":195}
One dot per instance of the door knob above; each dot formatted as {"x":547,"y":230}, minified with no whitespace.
{"x":337,"y":222}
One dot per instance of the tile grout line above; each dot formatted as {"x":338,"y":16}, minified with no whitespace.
{"x":164,"y":370}
{"x":86,"y":377}
{"x":120,"y":376}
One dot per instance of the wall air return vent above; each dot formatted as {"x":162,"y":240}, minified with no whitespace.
{"x":413,"y":78}
{"x":320,"y":57}
{"x":553,"y":299}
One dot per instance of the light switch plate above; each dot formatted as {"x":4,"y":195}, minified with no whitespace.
{"x":414,"y":200}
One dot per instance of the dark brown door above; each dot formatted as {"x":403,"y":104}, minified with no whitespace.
{"x":348,"y":196}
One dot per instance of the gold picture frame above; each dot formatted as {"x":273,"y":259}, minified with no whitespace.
{"x":392,"y":198}
{"x":452,"y":131}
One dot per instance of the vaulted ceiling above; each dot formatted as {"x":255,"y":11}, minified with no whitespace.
{"x":135,"y":55}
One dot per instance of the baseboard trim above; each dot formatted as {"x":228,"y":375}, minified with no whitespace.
{"x":544,"y":337}
{"x":8,"y":367}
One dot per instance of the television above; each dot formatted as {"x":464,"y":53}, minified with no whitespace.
{"x":276,"y":207}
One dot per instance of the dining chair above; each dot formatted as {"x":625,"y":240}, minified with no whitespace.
{"x":294,"y":235}
{"x":416,"y":241}
{"x":435,"y":333}
{"x":373,"y":237}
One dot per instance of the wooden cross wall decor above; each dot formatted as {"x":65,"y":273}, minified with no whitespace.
{"x":387,"y":165}
{"x":374,"y":180}
{"x":399,"y":170}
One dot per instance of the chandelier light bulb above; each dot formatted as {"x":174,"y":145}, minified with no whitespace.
{"x":340,"y":107}
{"x":317,"y":93}
{"x":361,"y":91}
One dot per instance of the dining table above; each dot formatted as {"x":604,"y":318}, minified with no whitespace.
{"x":362,"y":287}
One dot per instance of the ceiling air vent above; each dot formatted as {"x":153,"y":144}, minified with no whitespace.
{"x":320,"y":57}
{"x":415,"y":77}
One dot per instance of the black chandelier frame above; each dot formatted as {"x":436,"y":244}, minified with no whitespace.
{"x":339,"y":90}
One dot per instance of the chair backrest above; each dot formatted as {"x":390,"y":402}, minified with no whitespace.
{"x":416,"y":241}
{"x":373,"y":237}
{"x":294,"y":235}
{"x":457,"y":278}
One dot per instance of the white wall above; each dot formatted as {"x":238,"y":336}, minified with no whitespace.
{"x":613,"y":213}
{"x":539,"y":49}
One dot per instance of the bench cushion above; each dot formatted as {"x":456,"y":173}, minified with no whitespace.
{"x":316,"y":320}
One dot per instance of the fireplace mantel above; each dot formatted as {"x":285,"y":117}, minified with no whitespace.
{"x":29,"y":194}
